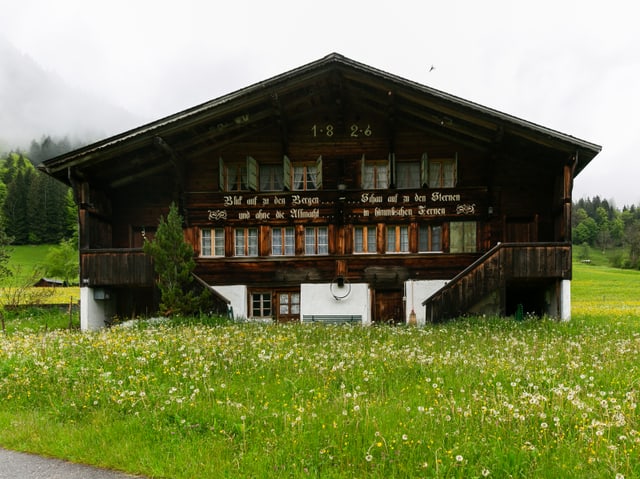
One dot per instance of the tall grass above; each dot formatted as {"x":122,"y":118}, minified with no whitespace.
{"x":479,"y":397}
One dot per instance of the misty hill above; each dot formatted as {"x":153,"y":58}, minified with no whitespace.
{"x":35,"y":102}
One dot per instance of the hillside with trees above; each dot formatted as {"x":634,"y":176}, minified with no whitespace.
{"x":35,"y":208}
{"x":596,"y":223}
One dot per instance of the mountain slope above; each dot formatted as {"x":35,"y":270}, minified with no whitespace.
{"x":35,"y":102}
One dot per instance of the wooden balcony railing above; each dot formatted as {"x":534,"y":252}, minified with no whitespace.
{"x":116,"y":267}
{"x":503,"y":263}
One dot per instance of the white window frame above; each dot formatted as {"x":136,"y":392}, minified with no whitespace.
{"x":316,"y":240}
{"x":245,"y":242}
{"x":265,"y":302}
{"x":211,"y":242}
{"x":283,"y":241}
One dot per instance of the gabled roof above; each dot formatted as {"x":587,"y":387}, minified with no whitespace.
{"x":334,"y":79}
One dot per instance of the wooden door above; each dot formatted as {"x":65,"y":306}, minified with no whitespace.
{"x":388,"y":307}
{"x":288,"y":306}
{"x":519,"y":230}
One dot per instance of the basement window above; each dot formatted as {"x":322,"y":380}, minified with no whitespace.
{"x":261,"y":305}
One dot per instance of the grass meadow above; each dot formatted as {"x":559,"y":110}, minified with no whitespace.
{"x":473,"y":398}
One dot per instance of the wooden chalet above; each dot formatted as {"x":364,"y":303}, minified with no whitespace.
{"x":334,"y":192}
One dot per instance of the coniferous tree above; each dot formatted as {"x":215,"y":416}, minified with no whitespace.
{"x":173,"y":262}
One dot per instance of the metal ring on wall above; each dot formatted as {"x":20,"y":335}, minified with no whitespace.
{"x":346,"y":285}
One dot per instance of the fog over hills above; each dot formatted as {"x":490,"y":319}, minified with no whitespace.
{"x":35,"y":103}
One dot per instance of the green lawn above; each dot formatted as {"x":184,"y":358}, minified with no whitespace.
{"x":472,"y":398}
{"x":25,"y":259}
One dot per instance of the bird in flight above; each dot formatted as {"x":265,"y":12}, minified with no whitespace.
{"x":432,"y":68}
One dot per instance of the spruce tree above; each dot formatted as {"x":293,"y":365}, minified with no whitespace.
{"x":173,"y":263}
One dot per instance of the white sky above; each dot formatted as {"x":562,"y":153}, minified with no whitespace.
{"x":570,"y":65}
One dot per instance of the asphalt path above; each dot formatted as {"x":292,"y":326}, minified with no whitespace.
{"x":18,"y":465}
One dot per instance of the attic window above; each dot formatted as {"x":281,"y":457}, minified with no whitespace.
{"x":307,"y":176}
{"x":271,"y":177}
{"x":443,"y":172}
{"x":238,"y":175}
{"x":375,"y":174}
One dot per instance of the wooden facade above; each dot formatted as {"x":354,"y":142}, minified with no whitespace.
{"x":337,"y":181}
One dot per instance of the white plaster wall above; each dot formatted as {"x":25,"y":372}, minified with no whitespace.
{"x":92,"y":312}
{"x":416,"y":292}
{"x":565,"y":300}
{"x":318,"y":299}
{"x":237,"y":294}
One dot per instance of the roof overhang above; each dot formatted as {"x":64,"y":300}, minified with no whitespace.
{"x":159,"y":146}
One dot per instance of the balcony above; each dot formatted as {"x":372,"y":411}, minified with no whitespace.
{"x":116,"y":267}
{"x":531,"y":266}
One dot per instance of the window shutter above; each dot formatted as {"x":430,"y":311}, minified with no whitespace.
{"x":319,"y":172}
{"x":221,"y":183}
{"x":362,"y":172}
{"x":424,"y":170}
{"x":455,"y":170}
{"x":286,"y":166}
{"x":391,"y":170}
{"x":252,"y":173}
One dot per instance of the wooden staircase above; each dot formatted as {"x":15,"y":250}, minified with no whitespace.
{"x":490,"y":274}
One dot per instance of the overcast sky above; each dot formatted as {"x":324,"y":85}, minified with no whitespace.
{"x":573,"y":66}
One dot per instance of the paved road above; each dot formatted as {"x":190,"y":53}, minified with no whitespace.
{"x":17,"y":465}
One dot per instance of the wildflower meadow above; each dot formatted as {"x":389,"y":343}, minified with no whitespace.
{"x":471,"y":398}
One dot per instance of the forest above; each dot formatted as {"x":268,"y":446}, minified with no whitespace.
{"x":36,"y":209}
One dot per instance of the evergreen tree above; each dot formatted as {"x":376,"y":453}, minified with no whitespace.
{"x":173,"y":262}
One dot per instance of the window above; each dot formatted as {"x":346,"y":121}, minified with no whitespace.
{"x":283,"y":241}
{"x":289,"y":304}
{"x":462,"y":237}
{"x":307,"y":176}
{"x":429,"y":238}
{"x":316,"y":240}
{"x":443,"y":173}
{"x":364,"y":239}
{"x":212,"y":242}
{"x":246,"y":242}
{"x":375,"y":174}
{"x":238,"y":175}
{"x":260,"y":305}
{"x":271,"y":178}
{"x":397,"y":239}
{"x":408,"y":174}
